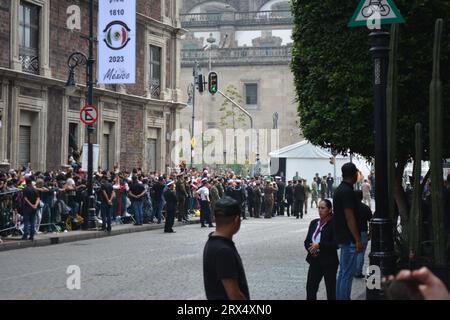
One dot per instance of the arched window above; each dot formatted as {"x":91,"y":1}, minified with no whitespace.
{"x":213,"y":7}
{"x":276,"y":5}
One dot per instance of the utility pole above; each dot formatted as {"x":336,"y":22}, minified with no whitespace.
{"x":210,"y":40}
{"x":195,"y":73}
{"x":90,"y":70}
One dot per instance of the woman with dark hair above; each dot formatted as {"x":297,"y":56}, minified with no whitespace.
{"x":322,"y":253}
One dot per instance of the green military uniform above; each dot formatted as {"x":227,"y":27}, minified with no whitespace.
{"x":214,"y":197}
{"x":220,"y":189}
{"x":269,"y":198}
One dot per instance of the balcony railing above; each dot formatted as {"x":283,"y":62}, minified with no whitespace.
{"x":155,"y":88}
{"x":239,"y":56}
{"x":275,"y":17}
{"x":28,"y":58}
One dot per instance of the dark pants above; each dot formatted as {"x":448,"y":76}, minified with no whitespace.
{"x":289,"y":207}
{"x":47,"y":211}
{"x":205,"y":213}
{"x":298,"y":208}
{"x":251,"y":206}
{"x":106,"y":216}
{"x":29,"y":217}
{"x":315,"y":274}
{"x":280,"y":207}
{"x":330,"y":191}
{"x":243,"y":210}
{"x":182,"y":209}
{"x":170,"y":218}
{"x":257,"y":208}
{"x":157,"y":210}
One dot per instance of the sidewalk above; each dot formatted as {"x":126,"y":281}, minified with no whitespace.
{"x":46,"y":239}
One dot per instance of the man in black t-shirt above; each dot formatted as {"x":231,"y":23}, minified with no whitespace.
{"x":31,"y":202}
{"x":347,"y":234}
{"x":136,"y":193}
{"x":223,"y":271}
{"x":107,"y":196}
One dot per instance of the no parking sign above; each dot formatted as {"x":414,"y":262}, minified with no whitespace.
{"x":89,"y":115}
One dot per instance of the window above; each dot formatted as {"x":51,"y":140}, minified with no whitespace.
{"x":251,"y":93}
{"x":24,"y":145}
{"x":151,"y":154}
{"x":155,"y":71}
{"x":29,"y":37}
{"x":74,"y":149}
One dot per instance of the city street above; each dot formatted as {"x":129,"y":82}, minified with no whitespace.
{"x":153,"y":265}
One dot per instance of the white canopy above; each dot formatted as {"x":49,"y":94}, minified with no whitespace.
{"x":307,"y":159}
{"x":303,"y":150}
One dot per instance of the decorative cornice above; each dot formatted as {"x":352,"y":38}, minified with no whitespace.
{"x":160,"y":25}
{"x":59,"y":84}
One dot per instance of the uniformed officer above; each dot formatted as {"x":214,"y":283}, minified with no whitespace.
{"x":171,"y":204}
{"x":182,"y":195}
{"x":270,"y":191}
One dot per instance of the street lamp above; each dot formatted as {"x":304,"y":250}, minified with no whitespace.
{"x":195,"y":72}
{"x":77,"y":59}
{"x":382,"y":246}
{"x":210,"y":40}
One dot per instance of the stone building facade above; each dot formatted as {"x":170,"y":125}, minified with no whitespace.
{"x":251,"y":53}
{"x":40,"y":120}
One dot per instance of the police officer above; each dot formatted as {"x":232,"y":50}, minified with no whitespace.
{"x":171,"y":204}
{"x":289,"y":194}
{"x":280,"y":196}
{"x":299,"y":198}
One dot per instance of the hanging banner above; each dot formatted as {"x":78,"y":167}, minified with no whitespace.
{"x":117,"y":41}
{"x":95,"y":153}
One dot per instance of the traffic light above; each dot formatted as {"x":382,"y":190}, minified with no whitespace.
{"x":213,"y":83}
{"x":201,"y":88}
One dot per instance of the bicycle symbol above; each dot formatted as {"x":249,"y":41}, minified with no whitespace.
{"x":376,"y":6}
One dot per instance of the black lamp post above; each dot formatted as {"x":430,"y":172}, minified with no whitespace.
{"x":76,"y":59}
{"x":382,"y":251}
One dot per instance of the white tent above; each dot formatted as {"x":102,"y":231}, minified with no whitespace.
{"x":308,"y":159}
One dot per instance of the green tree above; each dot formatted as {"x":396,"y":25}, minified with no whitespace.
{"x":332,"y":68}
{"x":231,"y":116}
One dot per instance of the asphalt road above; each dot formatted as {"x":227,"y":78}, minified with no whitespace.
{"x":153,"y":265}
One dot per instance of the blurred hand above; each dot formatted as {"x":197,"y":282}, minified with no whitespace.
{"x":359,"y":246}
{"x":314,"y":248}
{"x":431,"y":287}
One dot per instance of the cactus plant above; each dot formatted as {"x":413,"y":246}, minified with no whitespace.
{"x":436,"y":130}
{"x":392,"y":106}
{"x":415,"y":216}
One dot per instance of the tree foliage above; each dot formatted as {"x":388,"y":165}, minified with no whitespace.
{"x":332,"y":66}
{"x":231,"y":116}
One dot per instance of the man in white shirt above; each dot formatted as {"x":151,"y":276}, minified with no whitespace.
{"x":205,"y":209}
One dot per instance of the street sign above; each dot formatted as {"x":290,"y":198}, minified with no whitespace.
{"x":89,"y":115}
{"x":117,"y":41}
{"x":378,"y":11}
